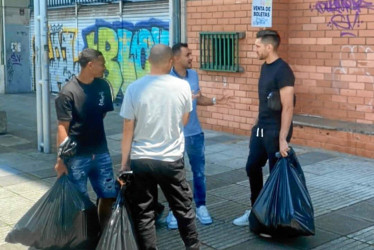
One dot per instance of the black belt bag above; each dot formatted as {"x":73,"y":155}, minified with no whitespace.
{"x":274,"y":101}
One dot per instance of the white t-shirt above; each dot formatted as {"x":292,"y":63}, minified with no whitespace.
{"x":157,"y":103}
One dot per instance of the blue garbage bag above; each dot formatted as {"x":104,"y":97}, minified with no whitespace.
{"x":63,"y":218}
{"x":284,"y":207}
{"x":119,"y":233}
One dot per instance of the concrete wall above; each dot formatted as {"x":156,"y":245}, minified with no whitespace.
{"x":16,"y":13}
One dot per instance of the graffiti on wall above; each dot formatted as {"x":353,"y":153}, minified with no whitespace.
{"x":356,"y":60}
{"x":62,"y":54}
{"x":345,"y":14}
{"x":15,"y":59}
{"x":10,"y":70}
{"x":125,"y":47}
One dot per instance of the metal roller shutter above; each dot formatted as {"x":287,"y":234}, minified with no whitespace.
{"x":124,"y":39}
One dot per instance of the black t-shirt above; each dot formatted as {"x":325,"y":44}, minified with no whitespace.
{"x":84,"y":106}
{"x":273,"y":77}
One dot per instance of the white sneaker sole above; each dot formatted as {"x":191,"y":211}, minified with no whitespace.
{"x":204,"y":222}
{"x":241,"y":225}
{"x":268,"y":236}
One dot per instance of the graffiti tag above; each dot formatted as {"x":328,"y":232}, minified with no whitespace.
{"x":15,"y":59}
{"x":342,"y":11}
{"x":125,"y":47}
{"x":62,"y":55}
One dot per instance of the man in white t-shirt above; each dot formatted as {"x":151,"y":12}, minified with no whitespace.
{"x":155,"y":109}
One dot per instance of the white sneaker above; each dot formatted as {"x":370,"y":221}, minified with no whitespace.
{"x":265,"y":235}
{"x":203,"y":215}
{"x":171,"y":221}
{"x":242,"y":220}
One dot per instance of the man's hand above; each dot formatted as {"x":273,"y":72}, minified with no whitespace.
{"x":124,"y":168}
{"x":224,"y":99}
{"x":60,"y":168}
{"x":196,"y":94}
{"x":283,"y":147}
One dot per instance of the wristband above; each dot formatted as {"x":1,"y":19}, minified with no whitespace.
{"x":214,"y":101}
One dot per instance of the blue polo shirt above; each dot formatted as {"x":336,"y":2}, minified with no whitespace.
{"x":193,"y":126}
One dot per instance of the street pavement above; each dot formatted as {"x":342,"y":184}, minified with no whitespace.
{"x":341,"y":186}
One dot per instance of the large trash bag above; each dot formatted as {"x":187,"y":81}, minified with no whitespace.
{"x":63,"y":218}
{"x":284,"y":207}
{"x":119,"y":233}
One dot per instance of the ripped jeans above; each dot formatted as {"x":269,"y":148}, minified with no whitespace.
{"x":96,"y":167}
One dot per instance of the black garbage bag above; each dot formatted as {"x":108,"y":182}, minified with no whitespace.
{"x":119,"y":233}
{"x":63,"y":218}
{"x":284,"y":207}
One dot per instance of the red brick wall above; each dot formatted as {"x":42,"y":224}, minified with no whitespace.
{"x":231,"y":15}
{"x":333,"y":61}
{"x":352,"y":143}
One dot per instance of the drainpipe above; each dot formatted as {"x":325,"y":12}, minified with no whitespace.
{"x":45,"y":77}
{"x":176,"y":17}
{"x":171,"y":23}
{"x":76,"y":24}
{"x":120,"y":6}
{"x":2,"y":35}
{"x":2,"y":47}
{"x":183,"y":19}
{"x":38,"y":82}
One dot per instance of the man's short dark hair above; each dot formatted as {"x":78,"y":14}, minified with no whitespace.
{"x":269,"y":37}
{"x":177,"y":48}
{"x":88,"y":55}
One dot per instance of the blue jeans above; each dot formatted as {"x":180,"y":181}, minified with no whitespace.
{"x":195,"y":147}
{"x":98,"y":168}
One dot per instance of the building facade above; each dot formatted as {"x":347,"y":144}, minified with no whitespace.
{"x":330,"y":47}
{"x":15,"y":66}
{"x":123,"y":31}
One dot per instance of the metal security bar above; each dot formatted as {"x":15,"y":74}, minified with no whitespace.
{"x":219,"y":51}
{"x":58,"y":3}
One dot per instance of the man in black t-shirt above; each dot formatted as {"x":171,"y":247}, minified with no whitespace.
{"x":273,"y":129}
{"x":81,"y":107}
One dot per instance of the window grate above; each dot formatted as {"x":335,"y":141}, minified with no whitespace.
{"x":219,"y":51}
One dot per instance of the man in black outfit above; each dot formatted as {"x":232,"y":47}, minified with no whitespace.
{"x":81,"y":107}
{"x":273,"y":129}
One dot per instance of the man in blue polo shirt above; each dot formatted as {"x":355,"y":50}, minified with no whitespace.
{"x":194,"y":136}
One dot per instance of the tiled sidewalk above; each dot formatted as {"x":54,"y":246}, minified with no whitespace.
{"x":341,"y":187}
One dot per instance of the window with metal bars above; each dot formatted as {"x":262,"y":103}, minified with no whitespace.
{"x":219,"y":51}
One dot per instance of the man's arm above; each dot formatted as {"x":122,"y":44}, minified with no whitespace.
{"x":206,"y":101}
{"x":286,"y":96}
{"x":127,"y":137}
{"x":62,"y":133}
{"x":185,"y":118}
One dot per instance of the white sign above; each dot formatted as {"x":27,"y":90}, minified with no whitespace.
{"x":15,"y":46}
{"x":262,"y":13}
